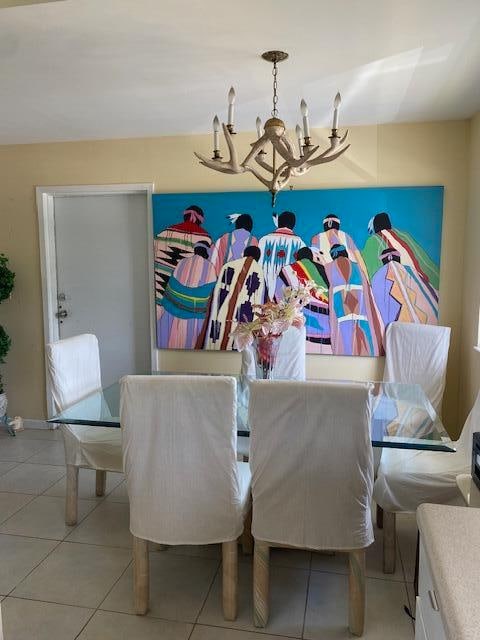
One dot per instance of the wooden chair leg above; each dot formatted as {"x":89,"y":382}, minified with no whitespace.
{"x":247,"y":539}
{"x":379,"y":517}
{"x":100,"y":482}
{"x":141,"y":576}
{"x":71,"y":495}
{"x":389,"y":542}
{"x":261,"y":582}
{"x":230,"y":579}
{"x":356,"y":589}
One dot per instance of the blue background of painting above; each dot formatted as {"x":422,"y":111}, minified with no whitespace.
{"x":418,"y":210}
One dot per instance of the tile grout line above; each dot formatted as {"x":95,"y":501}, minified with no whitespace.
{"x":219,"y":566}
{"x":103,"y":600}
{"x":32,"y":498}
{"x":35,"y":567}
{"x":307,"y":594}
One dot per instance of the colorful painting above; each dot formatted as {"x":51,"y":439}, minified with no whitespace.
{"x":374,"y":254}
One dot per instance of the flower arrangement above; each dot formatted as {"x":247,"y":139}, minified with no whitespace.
{"x":272,"y":319}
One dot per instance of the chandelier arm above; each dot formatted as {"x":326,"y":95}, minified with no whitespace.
{"x":287,"y":174}
{"x":256,"y":148}
{"x":283,"y":168}
{"x":289,"y":158}
{"x":290,"y":148}
{"x":223,"y":167}
{"x":231,"y":148}
{"x":263,"y":164}
{"x":258,"y":176}
{"x":323,"y":159}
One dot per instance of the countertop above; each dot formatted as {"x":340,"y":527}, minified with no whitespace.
{"x":451,"y":538}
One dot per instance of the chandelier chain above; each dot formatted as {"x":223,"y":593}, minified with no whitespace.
{"x":275,"y":85}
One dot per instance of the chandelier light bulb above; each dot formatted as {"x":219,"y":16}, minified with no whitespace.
{"x":216,"y":130}
{"x":231,"y":102}
{"x":298,"y":132}
{"x":336,"y":104}
{"x":258,"y":124}
{"x":306,"y":124}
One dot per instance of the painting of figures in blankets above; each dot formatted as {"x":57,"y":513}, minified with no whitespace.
{"x":373,"y":253}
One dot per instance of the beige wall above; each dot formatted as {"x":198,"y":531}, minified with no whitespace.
{"x":470,"y":359}
{"x":415,"y":154}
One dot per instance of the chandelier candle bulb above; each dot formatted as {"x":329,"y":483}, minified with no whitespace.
{"x":306,"y":124}
{"x":216,"y":131}
{"x":231,"y":102}
{"x":258,"y":124}
{"x":298,"y":131}
{"x":336,"y":105}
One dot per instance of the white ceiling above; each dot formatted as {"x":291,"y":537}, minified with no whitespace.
{"x":84,"y":69}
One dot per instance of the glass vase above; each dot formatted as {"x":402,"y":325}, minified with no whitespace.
{"x":266,"y":352}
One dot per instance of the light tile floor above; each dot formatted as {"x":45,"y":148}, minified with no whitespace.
{"x":63,"y":583}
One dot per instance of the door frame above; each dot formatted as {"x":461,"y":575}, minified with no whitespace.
{"x":46,"y":227}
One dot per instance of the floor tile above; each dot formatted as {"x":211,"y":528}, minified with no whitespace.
{"x":196,"y":550}
{"x":407,"y":542}
{"x":178,"y":587}
{"x":52,"y":453}
{"x":118,"y":626}
{"x":108,"y":524}
{"x":18,"y":449}
{"x":119,"y":494}
{"x":202,"y":632}
{"x":44,"y":517}
{"x":18,"y":556}
{"x":77,"y":574}
{"x":338,"y":562}
{"x":30,"y":478}
{"x":10,"y":503}
{"x":293,"y":558}
{"x":40,"y":434}
{"x":7,"y":466}
{"x":288,"y":592}
{"x":86,"y":485}
{"x":327,"y":609}
{"x":28,"y":619}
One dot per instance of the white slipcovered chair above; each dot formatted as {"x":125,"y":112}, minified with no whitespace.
{"x":183,"y":480}
{"x":312,"y":477}
{"x":74,"y":370}
{"x":290,"y":365}
{"x":406,"y":479}
{"x":415,"y":354}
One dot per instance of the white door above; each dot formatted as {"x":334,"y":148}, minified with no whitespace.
{"x":103,"y":277}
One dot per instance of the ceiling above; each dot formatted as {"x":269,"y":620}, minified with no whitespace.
{"x":84,"y":69}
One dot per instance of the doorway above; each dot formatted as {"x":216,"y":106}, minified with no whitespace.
{"x":97,"y":272}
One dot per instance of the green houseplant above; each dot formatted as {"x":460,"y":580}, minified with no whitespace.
{"x":7,"y":279}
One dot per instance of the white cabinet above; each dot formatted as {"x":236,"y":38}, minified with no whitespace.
{"x":428,"y":623}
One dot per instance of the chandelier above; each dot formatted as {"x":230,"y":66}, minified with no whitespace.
{"x":286,"y":161}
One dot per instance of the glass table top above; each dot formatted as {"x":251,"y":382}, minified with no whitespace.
{"x":402,"y":416}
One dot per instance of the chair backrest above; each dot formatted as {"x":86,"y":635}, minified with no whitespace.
{"x":312,"y":464}
{"x":472,"y":425}
{"x":74,"y":369}
{"x":290,"y":362}
{"x":418,"y":354}
{"x":179,"y":443}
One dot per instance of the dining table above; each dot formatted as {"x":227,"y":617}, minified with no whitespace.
{"x":402,"y":417}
